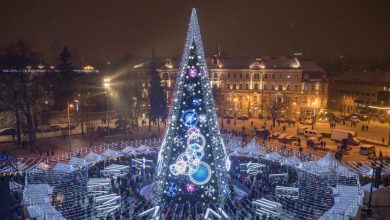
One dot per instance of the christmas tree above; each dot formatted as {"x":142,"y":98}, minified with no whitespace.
{"x":192,"y":163}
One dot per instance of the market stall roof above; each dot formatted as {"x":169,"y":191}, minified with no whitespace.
{"x":293,"y":160}
{"x":44,"y":212}
{"x":36,"y":194}
{"x":327,"y":160}
{"x":252,"y":148}
{"x":92,"y":157}
{"x":65,"y":168}
{"x":146,"y":149}
{"x":78,"y":161}
{"x":274,"y":156}
{"x":129,"y":150}
{"x":112,"y":153}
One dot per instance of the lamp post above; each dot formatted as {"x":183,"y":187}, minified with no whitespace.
{"x":314,"y":115}
{"x":70,"y":105}
{"x":107,"y":85}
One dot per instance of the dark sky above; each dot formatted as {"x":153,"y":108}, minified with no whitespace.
{"x":98,"y":30}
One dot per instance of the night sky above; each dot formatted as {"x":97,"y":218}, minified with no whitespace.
{"x":100,"y":30}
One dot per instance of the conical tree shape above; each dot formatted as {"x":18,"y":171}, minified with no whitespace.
{"x":192,"y":163}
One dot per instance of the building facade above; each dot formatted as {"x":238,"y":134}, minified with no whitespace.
{"x":244,"y":87}
{"x":363,"y":91}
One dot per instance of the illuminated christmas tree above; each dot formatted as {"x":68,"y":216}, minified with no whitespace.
{"x":192,"y":163}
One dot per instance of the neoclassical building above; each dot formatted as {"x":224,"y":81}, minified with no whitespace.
{"x":248,"y":87}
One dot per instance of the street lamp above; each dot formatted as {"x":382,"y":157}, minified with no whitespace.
{"x":107,"y":86}
{"x":70,"y":105}
{"x":314,"y":115}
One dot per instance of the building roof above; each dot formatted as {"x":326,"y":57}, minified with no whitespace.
{"x":364,"y":77}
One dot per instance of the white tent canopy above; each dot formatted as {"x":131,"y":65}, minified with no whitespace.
{"x":112,"y":153}
{"x":36,"y":194}
{"x":252,"y":148}
{"x":92,"y":157}
{"x":78,"y":161}
{"x":327,"y":160}
{"x":293,"y":160}
{"x":44,"y":212}
{"x":274,"y":156}
{"x":129,"y":150}
{"x":62,"y":167}
{"x":146,"y":149}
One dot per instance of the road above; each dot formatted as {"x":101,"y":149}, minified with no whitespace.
{"x":374,"y":135}
{"x":59,"y":142}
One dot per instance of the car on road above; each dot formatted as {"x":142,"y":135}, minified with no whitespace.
{"x":313,"y":142}
{"x":275,"y":134}
{"x":228,"y":117}
{"x":338,"y":135}
{"x":367,"y":150}
{"x":289,"y":139}
{"x":243,"y":117}
{"x":301,"y":130}
{"x":312,"y":133}
{"x":48,"y":128}
{"x":355,"y":120}
{"x":290,"y":120}
{"x":281,"y":120}
{"x":306,"y":122}
{"x":8,"y":131}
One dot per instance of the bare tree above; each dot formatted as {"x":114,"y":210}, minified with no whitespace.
{"x":22,"y":90}
{"x":278,"y":102}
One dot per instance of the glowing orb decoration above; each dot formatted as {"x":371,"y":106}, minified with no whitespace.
{"x":193,"y":72}
{"x":190,"y":188}
{"x":202,"y":175}
{"x":196,"y":138}
{"x":190,"y":118}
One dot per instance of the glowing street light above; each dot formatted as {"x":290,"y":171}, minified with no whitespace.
{"x":70,"y":105}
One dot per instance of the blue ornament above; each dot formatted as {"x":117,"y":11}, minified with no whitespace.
{"x":202,"y":175}
{"x":189,"y":118}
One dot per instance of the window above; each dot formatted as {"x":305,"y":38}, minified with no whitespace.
{"x":234,"y":86}
{"x":240,"y":75}
{"x":280,"y":87}
{"x":265,"y":87}
{"x":228,"y":86}
{"x":240,"y":86}
{"x":256,"y":76}
{"x":228,"y":75}
{"x":234,"y":75}
{"x":255,"y":98}
{"x":240,"y":98}
{"x":165,"y":76}
{"x":256,"y":86}
{"x":273,"y":88}
{"x":265,"y":76}
{"x":247,"y":86}
{"x":288,"y":88}
{"x":297,"y":76}
{"x":313,"y":87}
{"x":247,"y":75}
{"x":215,"y":75}
{"x":296,"y":87}
{"x":273,"y":76}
